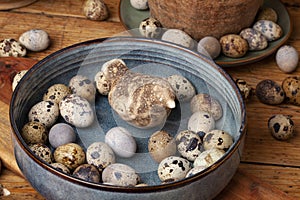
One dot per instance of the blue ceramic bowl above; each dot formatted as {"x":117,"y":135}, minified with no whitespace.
{"x":144,"y":56}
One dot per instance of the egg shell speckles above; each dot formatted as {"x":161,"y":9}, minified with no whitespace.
{"x":61,"y":134}
{"x":17,"y":78}
{"x":76,"y":111}
{"x":139,"y":4}
{"x":150,"y":28}
{"x":95,"y":10}
{"x":35,"y":40}
{"x":88,"y":173}
{"x":61,"y":167}
{"x":179,"y":37}
{"x":244,"y":88}
{"x":183,"y":88}
{"x":45,"y":112}
{"x":291,"y":87}
{"x":281,"y":127}
{"x":201,"y":121}
{"x":42,"y":151}
{"x":121,"y":142}
{"x":56,"y":93}
{"x":100,"y":155}
{"x":10,"y":47}
{"x":269,"y":92}
{"x":287,"y":58}
{"x":83,"y":86}
{"x":71,"y":155}
{"x":256,"y":40}
{"x":217,"y":139}
{"x":234,"y":46}
{"x":269,"y":29}
{"x":34,"y":132}
{"x":173,"y":168}
{"x":208,"y":157}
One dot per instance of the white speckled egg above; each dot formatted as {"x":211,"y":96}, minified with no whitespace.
{"x":178,"y":37}
{"x":209,"y":46}
{"x":10,"y":47}
{"x":255,"y":39}
{"x":95,"y":10}
{"x":150,"y":28}
{"x":173,"y":168}
{"x":34,"y":132}
{"x":281,"y":127}
{"x":201,"y":121}
{"x":17,"y":78}
{"x":100,"y":155}
{"x":45,"y":112}
{"x":61,"y":167}
{"x":234,"y":46}
{"x":269,"y":29}
{"x":121,"y":142}
{"x":83,"y":86}
{"x":195,"y":170}
{"x":61,"y":134}
{"x":217,"y":139}
{"x":183,"y":88}
{"x":139,"y":4}
{"x":204,"y":102}
{"x":189,"y":144}
{"x":35,"y":40}
{"x":287,"y":58}
{"x":120,"y":175}
{"x":208,"y":157}
{"x":42,"y":151}
{"x":76,"y":111}
{"x":56,"y":93}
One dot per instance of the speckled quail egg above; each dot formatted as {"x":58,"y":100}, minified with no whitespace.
{"x":244,"y":88}
{"x":206,"y":103}
{"x":88,"y":173}
{"x":219,"y":139}
{"x":45,"y":112}
{"x":291,"y":87}
{"x":208,"y":157}
{"x":61,"y":167}
{"x":100,"y":155}
{"x":150,"y":28}
{"x":183,"y":88}
{"x":76,"y":111}
{"x":270,"y":92}
{"x":189,"y":144}
{"x":287,"y":58}
{"x":17,"y":78}
{"x":267,"y":14}
{"x":71,"y":155}
{"x":195,"y":170}
{"x":95,"y":10}
{"x":139,"y":4}
{"x":209,"y":46}
{"x":121,"y":141}
{"x":281,"y":127}
{"x":42,"y":151}
{"x":234,"y":46}
{"x":11,"y":47}
{"x":179,"y":37}
{"x":3,"y":191}
{"x":83,"y":86}
{"x":256,"y":40}
{"x":173,"y":168}
{"x":269,"y":29}
{"x":56,"y":93}
{"x":34,"y":132}
{"x":61,"y":134}
{"x":201,"y":121}
{"x":35,"y":40}
{"x":161,"y":145}
{"x":120,"y":175}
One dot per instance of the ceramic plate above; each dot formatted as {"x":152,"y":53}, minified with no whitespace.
{"x":131,"y":18}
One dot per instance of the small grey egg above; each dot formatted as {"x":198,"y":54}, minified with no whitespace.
{"x":161,"y":145}
{"x":195,"y":170}
{"x":34,"y":132}
{"x":189,"y":144}
{"x":269,"y":92}
{"x":217,"y":139}
{"x":209,"y":46}
{"x":71,"y":155}
{"x":83,"y":86}
{"x":183,"y":88}
{"x":100,"y":155}
{"x":96,"y":10}
{"x":120,"y":175}
{"x":244,"y":88}
{"x":121,"y":142}
{"x":201,"y":121}
{"x":281,"y":127}
{"x":179,"y":37}
{"x":208,"y":157}
{"x":61,"y":167}
{"x":61,"y":134}
{"x":35,"y":40}
{"x":234,"y":46}
{"x":291,"y":88}
{"x":204,"y":102}
{"x":269,"y":29}
{"x":173,"y":168}
{"x":42,"y":151}
{"x":45,"y":112}
{"x":287,"y":58}
{"x":256,"y":40}
{"x":17,"y":78}
{"x":139,"y":4}
{"x":56,"y":93}
{"x":150,"y":28}
{"x":10,"y":47}
{"x":267,"y":14}
{"x":76,"y":111}
{"x":88,"y":173}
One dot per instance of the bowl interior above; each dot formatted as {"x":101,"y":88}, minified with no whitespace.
{"x":144,"y":56}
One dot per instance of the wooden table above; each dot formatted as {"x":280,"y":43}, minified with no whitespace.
{"x":269,"y":169}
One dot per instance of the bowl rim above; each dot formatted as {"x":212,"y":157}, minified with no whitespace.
{"x":122,"y":189}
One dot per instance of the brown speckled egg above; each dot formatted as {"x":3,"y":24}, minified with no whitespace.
{"x":83,"y":86}
{"x":61,"y":167}
{"x":234,"y":46}
{"x":270,"y":92}
{"x":56,"y":93}
{"x":217,"y":139}
{"x":161,"y":145}
{"x":267,"y":14}
{"x":42,"y":151}
{"x":70,"y":155}
{"x":34,"y":132}
{"x":88,"y":173}
{"x":244,"y":88}
{"x":281,"y":127}
{"x":291,"y":87}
